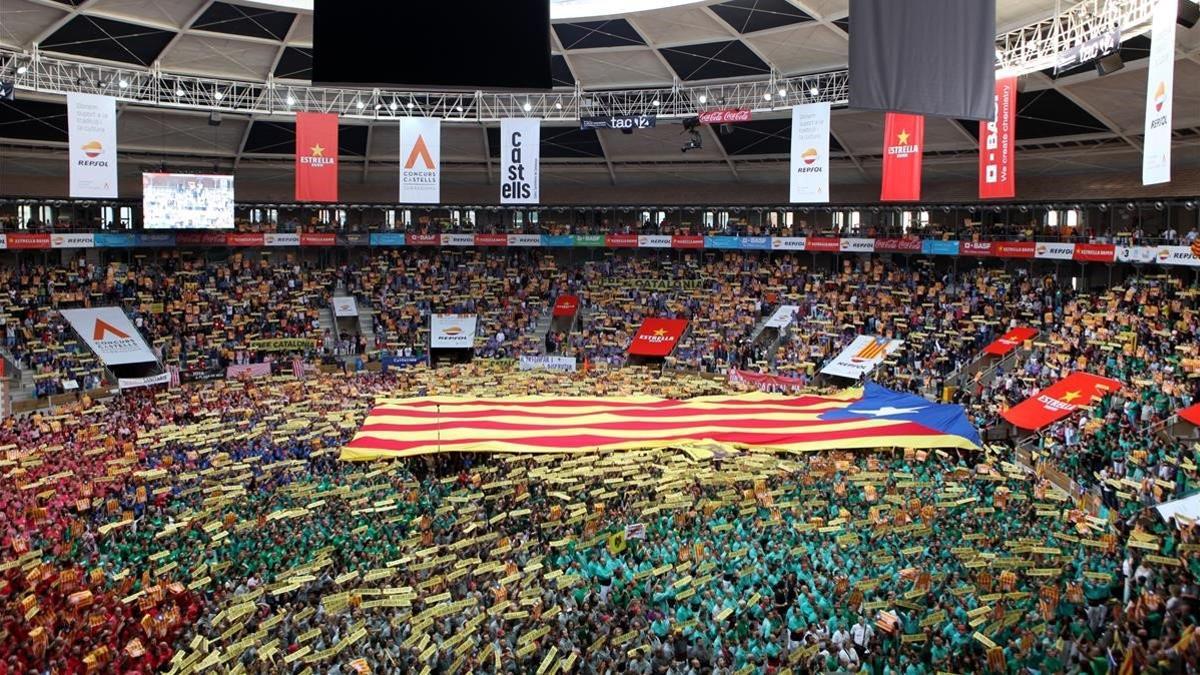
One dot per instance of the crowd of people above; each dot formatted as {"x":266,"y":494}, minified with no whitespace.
{"x":212,"y":526}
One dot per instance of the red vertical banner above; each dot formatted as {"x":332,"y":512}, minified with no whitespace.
{"x":316,"y":157}
{"x":997,"y":145}
{"x":903,"y":144}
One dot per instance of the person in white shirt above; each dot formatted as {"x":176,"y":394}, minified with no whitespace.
{"x":840,"y":638}
{"x":1170,"y":234}
{"x":861,"y":633}
{"x":848,"y":657}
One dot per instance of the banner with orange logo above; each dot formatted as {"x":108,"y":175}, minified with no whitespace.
{"x":861,"y":357}
{"x":452,"y":331}
{"x":420,"y":160}
{"x":657,"y":337}
{"x":110,"y":334}
{"x":1160,"y":84}
{"x":903,"y":145}
{"x":810,"y":153}
{"x":316,"y":157}
{"x":1059,"y":400}
{"x":92,"y":143}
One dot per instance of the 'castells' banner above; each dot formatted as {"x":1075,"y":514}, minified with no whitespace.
{"x":452,"y":331}
{"x":810,"y":153}
{"x":861,"y":356}
{"x":316,"y":157}
{"x":110,"y":335}
{"x":1156,"y":153}
{"x":420,"y":160}
{"x":997,"y":145}
{"x":92,"y":138}
{"x":520,"y":154}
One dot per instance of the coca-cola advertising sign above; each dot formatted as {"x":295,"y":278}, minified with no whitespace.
{"x":724,"y":116}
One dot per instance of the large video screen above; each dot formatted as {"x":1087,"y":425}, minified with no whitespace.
{"x":186,"y":201}
{"x":433,"y":43}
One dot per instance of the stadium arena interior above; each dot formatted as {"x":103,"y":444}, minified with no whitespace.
{"x":659,"y":337}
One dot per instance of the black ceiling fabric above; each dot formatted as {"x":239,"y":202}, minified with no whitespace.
{"x":925,"y":57}
{"x":748,"y":16}
{"x":843,"y":23}
{"x":593,"y":34}
{"x":557,"y":143}
{"x":762,"y":137}
{"x":73,"y":3}
{"x":568,"y":142}
{"x":1046,"y":114}
{"x":295,"y":64}
{"x":1136,"y":47}
{"x":221,"y":17}
{"x":352,"y":140}
{"x":279,"y":138}
{"x":110,"y":40}
{"x":274,"y":138}
{"x":560,"y":71}
{"x":714,"y":60}
{"x":33,"y":120}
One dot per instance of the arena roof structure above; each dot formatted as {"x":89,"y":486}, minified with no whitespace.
{"x":173,"y":64}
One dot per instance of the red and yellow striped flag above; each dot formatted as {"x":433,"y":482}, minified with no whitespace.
{"x":871,"y":418}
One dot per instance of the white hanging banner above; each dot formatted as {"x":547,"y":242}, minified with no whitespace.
{"x":1160,"y":83}
{"x":520,"y":153}
{"x":344,"y":305}
{"x":110,"y":334}
{"x":452,"y":331}
{"x":861,"y":356}
{"x":92,"y":139}
{"x":810,"y":153}
{"x":420,"y":160}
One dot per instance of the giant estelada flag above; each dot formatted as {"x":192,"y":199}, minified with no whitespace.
{"x":868,"y":417}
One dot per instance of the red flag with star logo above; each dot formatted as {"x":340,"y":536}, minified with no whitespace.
{"x":1059,"y":400}
{"x":903,"y":144}
{"x":316,"y":157}
{"x":657,"y":337}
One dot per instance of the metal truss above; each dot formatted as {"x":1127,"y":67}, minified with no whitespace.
{"x":1035,"y":47}
{"x":1023,"y":50}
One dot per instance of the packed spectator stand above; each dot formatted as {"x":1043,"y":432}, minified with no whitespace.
{"x":157,"y":530}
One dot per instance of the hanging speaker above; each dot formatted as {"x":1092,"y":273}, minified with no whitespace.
{"x":1189,"y":14}
{"x":1107,"y":65}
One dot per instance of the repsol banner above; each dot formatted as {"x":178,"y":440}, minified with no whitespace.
{"x":92,"y":145}
{"x":282,"y":345}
